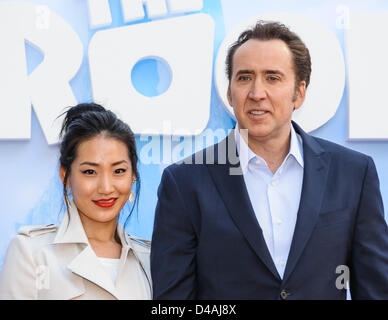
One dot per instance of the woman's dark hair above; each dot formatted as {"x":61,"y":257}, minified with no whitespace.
{"x":85,"y":121}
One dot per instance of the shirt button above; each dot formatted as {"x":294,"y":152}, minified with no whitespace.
{"x":282,"y":263}
{"x":258,"y":162}
{"x":278,"y":222}
{"x":284,"y":294}
{"x":273,"y":183}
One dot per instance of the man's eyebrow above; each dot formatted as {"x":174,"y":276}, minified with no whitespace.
{"x":274,"y":72}
{"x":244,"y":72}
{"x":269,"y":71}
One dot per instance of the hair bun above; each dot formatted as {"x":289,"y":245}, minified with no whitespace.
{"x":76,"y":111}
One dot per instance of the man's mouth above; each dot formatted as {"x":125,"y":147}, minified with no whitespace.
{"x":256,"y":112}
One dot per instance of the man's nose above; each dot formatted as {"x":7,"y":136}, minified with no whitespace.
{"x":105,"y":184}
{"x":257,"y":91}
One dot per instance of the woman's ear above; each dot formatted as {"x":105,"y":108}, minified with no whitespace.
{"x":62,"y":173}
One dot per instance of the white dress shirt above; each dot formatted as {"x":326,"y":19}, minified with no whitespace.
{"x":274,"y":197}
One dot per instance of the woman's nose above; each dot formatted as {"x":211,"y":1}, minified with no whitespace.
{"x":105,"y":184}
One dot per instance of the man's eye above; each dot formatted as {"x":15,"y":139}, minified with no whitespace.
{"x":121,"y":170}
{"x":272,"y":79}
{"x":88,"y":172}
{"x":244,"y":78}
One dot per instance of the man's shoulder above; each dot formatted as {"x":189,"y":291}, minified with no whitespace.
{"x":341,"y":153}
{"x":338,"y":152}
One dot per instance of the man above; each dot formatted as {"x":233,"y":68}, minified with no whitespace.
{"x":303,"y":215}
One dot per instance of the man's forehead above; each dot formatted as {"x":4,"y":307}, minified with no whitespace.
{"x":270,"y":54}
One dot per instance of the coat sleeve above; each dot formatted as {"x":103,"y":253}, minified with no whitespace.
{"x":369,"y":259}
{"x":174,"y":244}
{"x":18,"y":275}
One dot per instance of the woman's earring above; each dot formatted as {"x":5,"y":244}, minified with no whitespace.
{"x":131,"y":197}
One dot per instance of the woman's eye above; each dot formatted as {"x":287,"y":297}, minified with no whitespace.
{"x":118,"y":171}
{"x":88,"y":172}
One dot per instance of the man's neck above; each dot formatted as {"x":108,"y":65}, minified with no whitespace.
{"x":272,"y":150}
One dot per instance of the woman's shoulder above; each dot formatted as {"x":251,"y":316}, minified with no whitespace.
{"x":33,"y":231}
{"x":142,"y":250}
{"x":139,"y":244}
{"x":35,"y":236}
{"x":140,"y":241}
{"x":22,"y":261}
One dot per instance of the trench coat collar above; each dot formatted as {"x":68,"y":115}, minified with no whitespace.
{"x":86,"y":263}
{"x":71,"y":230}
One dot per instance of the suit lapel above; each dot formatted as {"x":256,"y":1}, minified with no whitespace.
{"x":316,"y":167}
{"x":235,"y":196}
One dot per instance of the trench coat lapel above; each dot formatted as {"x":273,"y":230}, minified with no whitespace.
{"x":87,"y":266}
{"x":85,"y":262}
{"x":127,"y":275}
{"x":235,"y":196}
{"x":316,"y":167}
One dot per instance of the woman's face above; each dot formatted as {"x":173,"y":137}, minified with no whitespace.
{"x":101,"y":178}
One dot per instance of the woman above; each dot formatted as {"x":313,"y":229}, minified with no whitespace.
{"x":89,"y":256}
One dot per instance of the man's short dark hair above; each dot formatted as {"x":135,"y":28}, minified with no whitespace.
{"x":264,"y":30}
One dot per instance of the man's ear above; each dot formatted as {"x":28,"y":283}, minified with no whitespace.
{"x":62,"y":173}
{"x":228,"y":94}
{"x":300,"y":95}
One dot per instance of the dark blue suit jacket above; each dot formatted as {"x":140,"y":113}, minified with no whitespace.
{"x":207,"y":243}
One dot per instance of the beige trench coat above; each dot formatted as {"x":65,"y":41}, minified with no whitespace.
{"x":47,"y":262}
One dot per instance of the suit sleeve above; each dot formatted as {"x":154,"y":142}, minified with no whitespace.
{"x":18,"y":276}
{"x":173,"y":249}
{"x":369,"y":269}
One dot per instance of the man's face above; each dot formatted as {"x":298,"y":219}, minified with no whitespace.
{"x":262,"y":89}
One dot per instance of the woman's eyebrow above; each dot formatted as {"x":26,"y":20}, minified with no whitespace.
{"x":94,"y":164}
{"x":89,"y":163}
{"x":119,"y":162}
